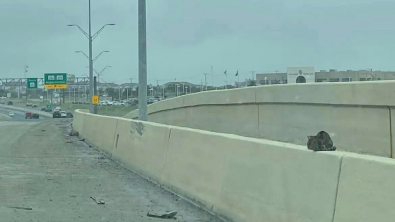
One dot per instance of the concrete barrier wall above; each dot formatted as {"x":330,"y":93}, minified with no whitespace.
{"x":246,"y":179}
{"x":356,"y":114}
{"x":142,"y":147}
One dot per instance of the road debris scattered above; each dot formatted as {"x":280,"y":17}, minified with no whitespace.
{"x":168,"y":215}
{"x":22,"y":208}
{"x":74,"y":133}
{"x":97,"y":201}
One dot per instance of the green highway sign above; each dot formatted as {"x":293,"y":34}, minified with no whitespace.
{"x":55,"y":78}
{"x":31,"y":83}
{"x":49,"y":106}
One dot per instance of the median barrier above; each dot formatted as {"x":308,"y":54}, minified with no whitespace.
{"x":356,"y":114}
{"x":354,"y":129}
{"x":78,"y":120}
{"x":247,"y":179}
{"x":141,"y":146}
{"x":105,"y":132}
{"x":366,"y":190}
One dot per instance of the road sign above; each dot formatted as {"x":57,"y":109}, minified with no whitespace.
{"x":56,"y":86}
{"x":55,"y":78}
{"x":8,"y":95}
{"x":95,"y":99}
{"x":31,"y":83}
{"x":49,"y":106}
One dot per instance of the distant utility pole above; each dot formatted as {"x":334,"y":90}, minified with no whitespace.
{"x":205,"y":80}
{"x":252,"y":73}
{"x":142,"y":36}
{"x":212,"y":76}
{"x":26,"y":70}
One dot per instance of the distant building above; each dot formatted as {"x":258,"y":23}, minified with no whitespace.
{"x":307,"y":74}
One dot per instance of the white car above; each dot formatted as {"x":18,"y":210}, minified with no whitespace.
{"x":11,"y":114}
{"x":63,"y":114}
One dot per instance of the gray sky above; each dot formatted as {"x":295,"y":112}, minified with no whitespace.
{"x":187,"y":37}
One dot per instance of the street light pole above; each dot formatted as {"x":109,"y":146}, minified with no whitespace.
{"x":142,"y":105}
{"x":92,"y":106}
{"x":90,"y":39}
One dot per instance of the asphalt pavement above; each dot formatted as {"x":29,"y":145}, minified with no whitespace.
{"x":18,"y":115}
{"x":46,"y":176}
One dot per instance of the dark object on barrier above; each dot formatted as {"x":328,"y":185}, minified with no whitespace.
{"x":321,"y":142}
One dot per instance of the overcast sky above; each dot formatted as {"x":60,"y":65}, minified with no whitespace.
{"x":187,"y":37}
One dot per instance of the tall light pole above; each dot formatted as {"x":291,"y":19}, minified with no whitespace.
{"x":142,"y":61}
{"x":92,"y":107}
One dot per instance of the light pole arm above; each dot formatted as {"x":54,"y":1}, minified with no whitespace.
{"x":83,"y":31}
{"x":100,"y":30}
{"x":83,"y":54}
{"x":104,"y":69}
{"x":94,"y":60}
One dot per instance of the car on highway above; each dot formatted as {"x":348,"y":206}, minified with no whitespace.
{"x":28,"y":115}
{"x":63,"y":114}
{"x":56,"y":114}
{"x":34,"y":106}
{"x":28,"y":104}
{"x":2,"y":102}
{"x":35,"y":116}
{"x":11,"y":114}
{"x":10,"y":103}
{"x":69,"y":115}
{"x":43,"y":109}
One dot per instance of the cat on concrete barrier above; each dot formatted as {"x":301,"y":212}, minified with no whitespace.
{"x":321,"y":142}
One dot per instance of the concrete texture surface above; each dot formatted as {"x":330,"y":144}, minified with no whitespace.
{"x":38,"y":170}
{"x":366,"y":189}
{"x":359,"y":120}
{"x":353,"y":129}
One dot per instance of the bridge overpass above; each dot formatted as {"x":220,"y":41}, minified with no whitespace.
{"x":358,"y":115}
{"x":238,"y":154}
{"x":241,"y":153}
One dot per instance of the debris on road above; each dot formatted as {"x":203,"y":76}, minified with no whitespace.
{"x":22,"y":208}
{"x":68,"y":139}
{"x":168,"y":215}
{"x":74,"y":133}
{"x":97,"y":201}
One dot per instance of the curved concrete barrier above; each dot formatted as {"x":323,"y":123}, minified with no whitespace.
{"x":246,"y":179}
{"x":356,"y":114}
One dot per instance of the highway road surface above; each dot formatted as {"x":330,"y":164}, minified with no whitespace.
{"x":45,"y":178}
